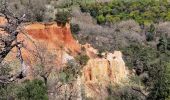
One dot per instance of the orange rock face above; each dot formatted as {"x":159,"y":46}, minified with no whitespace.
{"x":52,"y":36}
{"x":43,"y":40}
{"x":2,"y":21}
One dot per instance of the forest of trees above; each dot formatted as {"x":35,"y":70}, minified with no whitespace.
{"x":142,"y":11}
{"x":151,"y":62}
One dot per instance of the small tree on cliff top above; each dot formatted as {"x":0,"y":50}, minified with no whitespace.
{"x":62,"y":17}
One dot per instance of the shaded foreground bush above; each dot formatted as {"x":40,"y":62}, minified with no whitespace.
{"x":33,"y":90}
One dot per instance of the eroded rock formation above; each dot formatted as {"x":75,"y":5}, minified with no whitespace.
{"x":105,"y":70}
{"x":41,"y":40}
{"x":49,"y":35}
{"x":45,"y":38}
{"x":102,"y":72}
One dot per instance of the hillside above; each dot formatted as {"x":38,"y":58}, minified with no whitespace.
{"x":84,"y":50}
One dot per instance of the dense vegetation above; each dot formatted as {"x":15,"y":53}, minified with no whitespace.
{"x":33,"y":90}
{"x":153,"y":68}
{"x":142,"y":11}
{"x":150,"y":57}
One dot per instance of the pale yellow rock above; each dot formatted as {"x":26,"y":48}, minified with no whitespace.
{"x":101,"y":72}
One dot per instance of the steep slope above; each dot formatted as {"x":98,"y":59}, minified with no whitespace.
{"x":48,"y":35}
{"x":52,"y":34}
{"x":99,"y":73}
{"x":42,"y":39}
{"x":111,"y":68}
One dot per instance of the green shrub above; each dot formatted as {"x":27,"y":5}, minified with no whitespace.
{"x":167,"y":75}
{"x":73,"y":69}
{"x":162,"y":46}
{"x":123,"y":93}
{"x":4,"y":88}
{"x":62,"y":17}
{"x":154,"y":63}
{"x":135,"y":79}
{"x":168,"y":44}
{"x":144,"y":54}
{"x":134,"y":14}
{"x":70,"y":72}
{"x":168,"y":16}
{"x":33,"y":90}
{"x":101,"y":19}
{"x":75,"y":28}
{"x":161,"y":83}
{"x":82,"y":59}
{"x":109,"y":18}
{"x":112,"y":19}
{"x":151,"y":33}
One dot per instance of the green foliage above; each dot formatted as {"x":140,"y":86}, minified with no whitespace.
{"x":75,"y":28}
{"x":160,"y":89}
{"x":4,"y":72}
{"x":135,"y":79}
{"x":73,"y":68}
{"x":33,"y":90}
{"x":155,"y":64}
{"x":167,"y":16}
{"x":112,"y":19}
{"x":82,"y":59}
{"x":163,"y":44}
{"x":144,"y":54}
{"x":168,"y":44}
{"x":100,"y":19}
{"x":167,"y":75}
{"x":122,"y":93}
{"x":142,"y":11}
{"x":150,"y":34}
{"x":62,"y":17}
{"x":4,"y":69}
{"x":70,"y":72}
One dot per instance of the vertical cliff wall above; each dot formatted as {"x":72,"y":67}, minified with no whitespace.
{"x":49,"y":36}
{"x":52,"y":34}
{"x":102,"y":72}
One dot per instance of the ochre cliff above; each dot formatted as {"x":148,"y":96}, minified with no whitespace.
{"x":48,"y":38}
{"x":53,"y":35}
{"x":41,"y":40}
{"x":49,"y":33}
